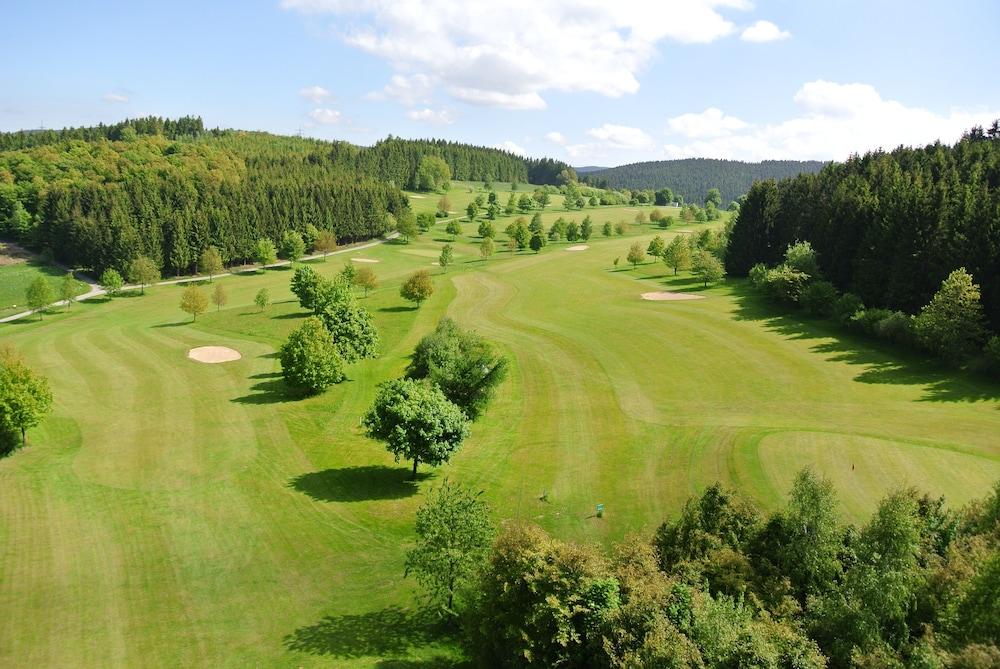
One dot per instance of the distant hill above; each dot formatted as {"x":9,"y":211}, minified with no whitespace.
{"x":692,"y":177}
{"x":586,"y":169}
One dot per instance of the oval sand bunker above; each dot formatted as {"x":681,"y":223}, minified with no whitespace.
{"x":578,"y":247}
{"x":214,"y":354}
{"x":667,"y":296}
{"x":363,"y":260}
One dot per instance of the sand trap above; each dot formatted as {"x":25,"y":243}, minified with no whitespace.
{"x":578,"y":247}
{"x":667,"y":296}
{"x":419,"y":197}
{"x":364,"y":260}
{"x":213,"y":354}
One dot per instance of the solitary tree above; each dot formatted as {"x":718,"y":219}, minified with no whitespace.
{"x":606,"y":229}
{"x":416,"y":422}
{"x":309,"y":359}
{"x":292,"y":246}
{"x":326,"y":243}
{"x":952,"y":323}
{"x":111,"y":281}
{"x":68,"y":288}
{"x":262,"y":299}
{"x":454,"y":228}
{"x":446,"y":257}
{"x":586,"y":229}
{"x":472,"y":210}
{"x":210,"y":262}
{"x":310,"y":235}
{"x":677,"y":255}
{"x":443,"y":207}
{"x":486,"y":229}
{"x":713,"y":197}
{"x":305,"y":286}
{"x":621,"y":227}
{"x":486,"y":248}
{"x":418,"y":287}
{"x":433,"y":173}
{"x":537,"y":241}
{"x":219,"y":297}
{"x":194,"y":301}
{"x":707,"y":267}
{"x":40,"y":294}
{"x":454,"y":534}
{"x":264,"y":252}
{"x":24,"y":396}
{"x":656,"y":247}
{"x":635,"y":254}
{"x":143,"y":271}
{"x":366,"y":279}
{"x":406,"y":224}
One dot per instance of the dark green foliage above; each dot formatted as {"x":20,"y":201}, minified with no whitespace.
{"x":691,"y":178}
{"x":818,"y":298}
{"x":461,"y":363}
{"x":24,"y":398}
{"x":351,"y":327}
{"x":309,"y":359}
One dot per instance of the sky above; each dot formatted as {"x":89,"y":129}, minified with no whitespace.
{"x":586,"y":81}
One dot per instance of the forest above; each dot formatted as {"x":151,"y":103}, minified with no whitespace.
{"x":887,"y":227}
{"x":693,"y":177}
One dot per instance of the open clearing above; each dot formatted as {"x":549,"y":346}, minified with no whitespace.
{"x":201,"y":517}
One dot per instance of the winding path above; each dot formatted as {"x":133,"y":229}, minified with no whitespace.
{"x":96,"y":290}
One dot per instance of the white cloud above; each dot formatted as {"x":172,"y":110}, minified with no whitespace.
{"x":115,"y":97}
{"x":764,"y":31}
{"x":442,"y":117}
{"x":621,"y":136}
{"x":508,"y":145}
{"x":325,"y":116}
{"x":556,"y":137}
{"x":315,"y":94}
{"x":613,"y":141}
{"x":509,"y":54}
{"x":408,"y":90}
{"x":836,"y":120}
{"x":709,"y":123}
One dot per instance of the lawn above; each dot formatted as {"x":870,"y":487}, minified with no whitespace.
{"x":16,"y":277}
{"x":170,"y":513}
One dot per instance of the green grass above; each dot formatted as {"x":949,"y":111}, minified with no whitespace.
{"x":170,"y":513}
{"x":15,"y":279}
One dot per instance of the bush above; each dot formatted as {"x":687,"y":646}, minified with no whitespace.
{"x":785,"y":284}
{"x":866,"y":320}
{"x":992,"y":353}
{"x":758,"y":275}
{"x":310,"y":361}
{"x":897,"y":327}
{"x":818,"y":298}
{"x":846,"y":306}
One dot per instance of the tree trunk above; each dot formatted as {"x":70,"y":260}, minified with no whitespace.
{"x":24,"y":438}
{"x":415,"y":461}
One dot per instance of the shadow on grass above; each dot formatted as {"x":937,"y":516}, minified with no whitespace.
{"x":397,"y":309}
{"x":391,"y":631}
{"x":358,"y":484}
{"x":267,"y":375}
{"x":292,"y":315}
{"x":438,"y":662}
{"x":880,"y":362}
{"x":268,"y":392}
{"x":172,"y":325}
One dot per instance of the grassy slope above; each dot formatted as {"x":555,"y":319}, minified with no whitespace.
{"x":176,"y":514}
{"x":15,"y":279}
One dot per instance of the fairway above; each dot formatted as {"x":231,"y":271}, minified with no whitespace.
{"x":173,"y":513}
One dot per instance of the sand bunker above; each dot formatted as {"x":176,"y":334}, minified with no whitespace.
{"x":213,"y":354}
{"x":419,"y":197}
{"x":664,"y":296}
{"x":363,"y":260}
{"x":578,"y":247}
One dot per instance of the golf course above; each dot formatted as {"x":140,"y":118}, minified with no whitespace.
{"x":169,"y":512}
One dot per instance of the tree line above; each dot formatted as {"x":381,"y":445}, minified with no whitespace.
{"x":692,"y":178}
{"x":887,"y":227}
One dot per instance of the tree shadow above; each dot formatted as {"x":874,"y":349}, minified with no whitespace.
{"x":268,"y":392}
{"x":359,"y":483}
{"x":292,"y":315}
{"x":397,"y":309}
{"x":172,"y":325}
{"x":391,"y":631}
{"x":882,"y":363}
{"x":436,"y":662}
{"x":266,"y":375}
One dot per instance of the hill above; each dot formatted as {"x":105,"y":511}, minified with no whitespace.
{"x":586,"y":169}
{"x":693,"y":177}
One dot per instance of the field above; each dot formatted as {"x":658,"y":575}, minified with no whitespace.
{"x":16,"y":274}
{"x":169,"y":513}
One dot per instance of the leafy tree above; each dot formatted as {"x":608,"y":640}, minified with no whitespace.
{"x":406,"y":224}
{"x":606,"y":229}
{"x":40,"y":294}
{"x":417,"y":287}
{"x":366,"y":279}
{"x":541,"y":197}
{"x":292,"y":246}
{"x":68,"y":288}
{"x":537,"y":242}
{"x":536,"y":224}
{"x":194,"y":301}
{"x":656,"y":247}
{"x":446,"y":257}
{"x":586,"y":229}
{"x":326,"y":243}
{"x":416,"y":422}
{"x":486,"y":248}
{"x":812,"y":539}
{"x":305,"y":285}
{"x":265,"y":253}
{"x":486,"y":229}
{"x":210,"y":262}
{"x":461,"y":363}
{"x":310,"y":361}
{"x":511,"y":205}
{"x":454,"y":228}
{"x":24,"y":396}
{"x":572,"y":231}
{"x":143,"y":271}
{"x":714,"y":197}
{"x":952,"y":323}
{"x":433,"y":173}
{"x":520,"y":233}
{"x":493,"y":211}
{"x":425,"y":221}
{"x":351,"y":325}
{"x":219,"y":297}
{"x":262,"y":299}
{"x":443,"y":207}
{"x":525,"y":203}
{"x":801,"y":257}
{"x":471,"y":211}
{"x":310,"y":235}
{"x":454,"y":534}
{"x":677,"y":254}
{"x":640,"y":218}
{"x":621,"y":228}
{"x":348,"y":273}
{"x":636,"y":255}
{"x":655,"y":216}
{"x":707,"y":267}
{"x":111,"y":281}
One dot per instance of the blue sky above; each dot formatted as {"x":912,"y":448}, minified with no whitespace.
{"x":585,"y":81}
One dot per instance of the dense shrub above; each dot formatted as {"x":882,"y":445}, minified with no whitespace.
{"x":819,"y":298}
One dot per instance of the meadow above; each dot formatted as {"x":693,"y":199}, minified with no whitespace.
{"x":17,"y":273}
{"x":170,"y":513}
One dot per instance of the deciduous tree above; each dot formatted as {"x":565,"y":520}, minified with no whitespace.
{"x":40,"y":294}
{"x":210,"y":262}
{"x":143,"y":271}
{"x":310,"y":361}
{"x":194,"y":301}
{"x":417,"y":287}
{"x":111,"y":281}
